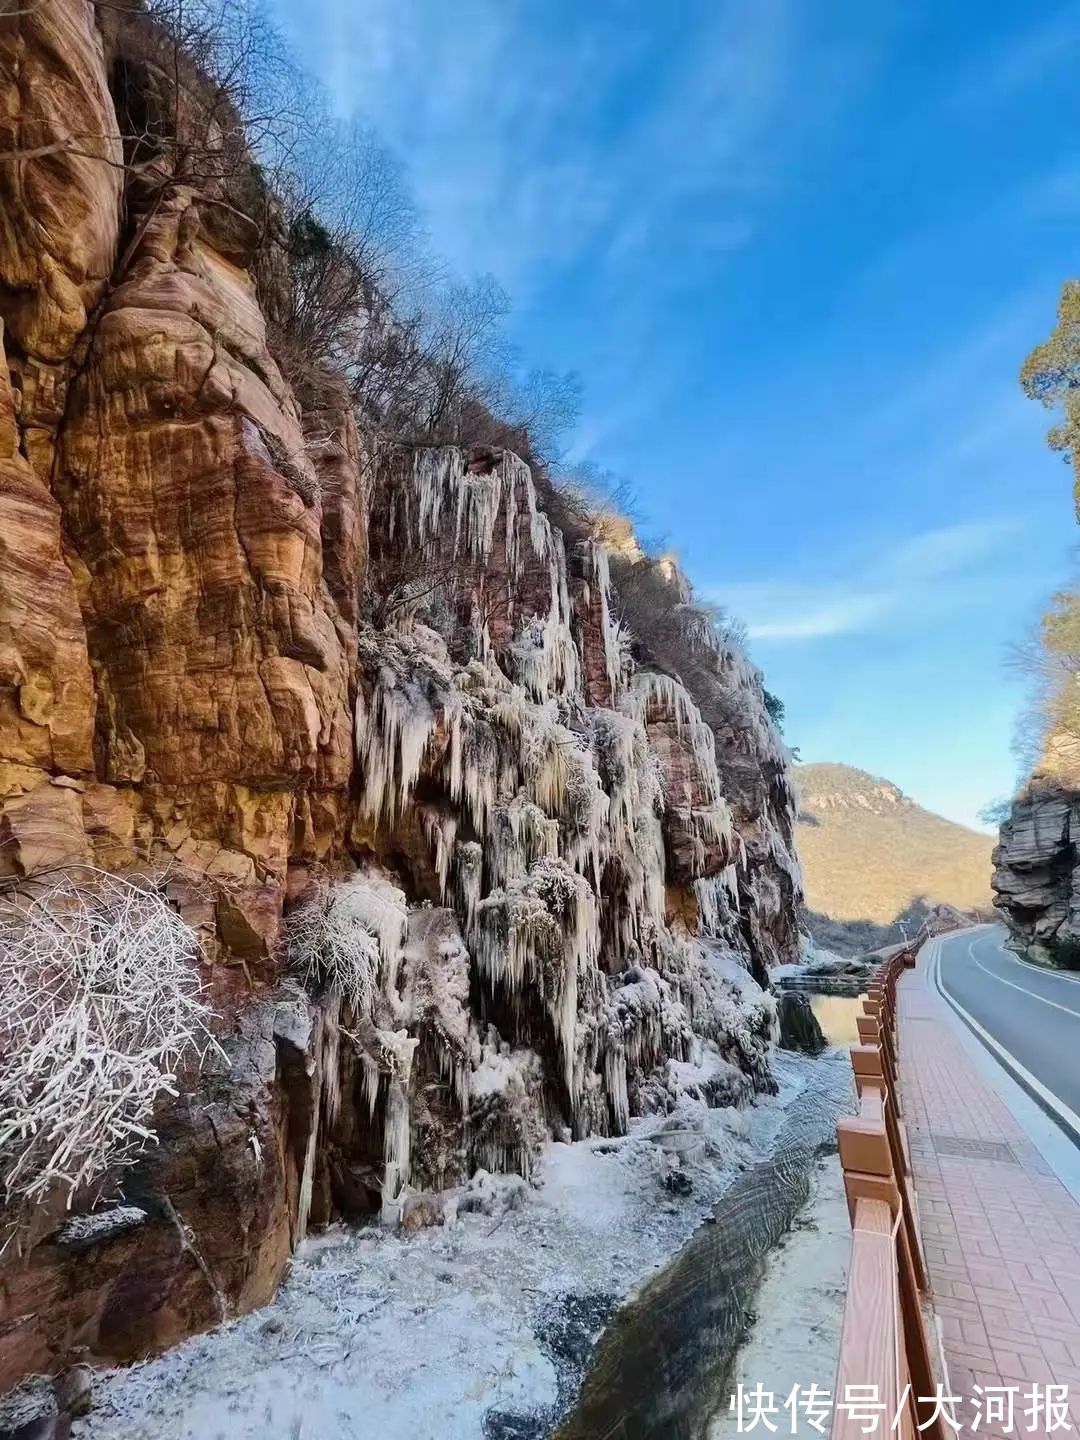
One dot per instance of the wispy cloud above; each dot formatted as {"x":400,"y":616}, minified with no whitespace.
{"x":536,"y":136}
{"x":920,"y":579}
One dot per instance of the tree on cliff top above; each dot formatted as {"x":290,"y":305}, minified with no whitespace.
{"x":1051,"y":373}
{"x":1048,"y":734}
{"x":1047,"y":738}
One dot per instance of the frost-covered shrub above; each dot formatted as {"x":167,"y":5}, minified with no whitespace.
{"x":343,"y":941}
{"x":506,"y":1123}
{"x":100,"y":1003}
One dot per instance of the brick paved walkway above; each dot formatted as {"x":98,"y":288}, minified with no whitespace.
{"x":1001,"y":1233}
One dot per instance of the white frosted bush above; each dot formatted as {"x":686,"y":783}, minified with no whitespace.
{"x":350,"y":939}
{"x":100,"y":1002}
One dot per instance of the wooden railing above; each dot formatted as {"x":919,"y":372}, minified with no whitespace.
{"x":884,"y":1343}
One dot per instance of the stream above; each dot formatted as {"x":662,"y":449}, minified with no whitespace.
{"x":661,"y":1368}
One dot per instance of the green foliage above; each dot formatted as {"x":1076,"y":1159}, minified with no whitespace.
{"x":775,"y":706}
{"x":1051,"y":373}
{"x":309,"y":239}
{"x":1064,"y":953}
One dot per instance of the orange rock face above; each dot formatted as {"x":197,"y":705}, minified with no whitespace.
{"x":189,"y":497}
{"x":166,"y":621}
{"x":175,"y":642}
{"x":183,"y":552}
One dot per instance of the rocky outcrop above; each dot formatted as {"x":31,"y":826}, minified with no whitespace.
{"x":468,"y":865}
{"x":205,"y":1225}
{"x":1036,"y":868}
{"x":799,"y":1028}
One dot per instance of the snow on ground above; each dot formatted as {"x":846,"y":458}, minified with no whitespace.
{"x":376,"y":1334}
{"x":800,"y":1306}
{"x":814,"y":959}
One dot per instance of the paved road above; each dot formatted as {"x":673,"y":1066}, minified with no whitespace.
{"x":1034,"y":1014}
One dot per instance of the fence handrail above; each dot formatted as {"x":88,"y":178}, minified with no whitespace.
{"x":884,"y":1340}
{"x":872,"y":1343}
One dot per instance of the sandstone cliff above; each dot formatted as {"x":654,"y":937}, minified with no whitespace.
{"x":468,"y":865}
{"x":1036,"y":869}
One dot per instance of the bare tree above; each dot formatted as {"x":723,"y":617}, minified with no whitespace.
{"x":351,"y":236}
{"x":1049,"y":659}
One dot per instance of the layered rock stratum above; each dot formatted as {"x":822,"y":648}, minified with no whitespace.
{"x":1036,"y":868}
{"x":1036,"y":863}
{"x":468,"y":865}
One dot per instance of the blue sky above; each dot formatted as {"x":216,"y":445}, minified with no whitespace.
{"x":797,"y":253}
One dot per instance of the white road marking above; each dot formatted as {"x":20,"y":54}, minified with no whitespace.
{"x":1023,"y":989}
{"x":1043,"y":969}
{"x":1057,"y":1143}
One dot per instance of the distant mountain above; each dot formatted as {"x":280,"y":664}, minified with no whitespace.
{"x":871,"y":854}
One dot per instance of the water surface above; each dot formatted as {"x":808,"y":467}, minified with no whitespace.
{"x":836,"y":1014}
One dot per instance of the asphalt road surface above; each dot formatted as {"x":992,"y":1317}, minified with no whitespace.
{"x":1034,"y":1014}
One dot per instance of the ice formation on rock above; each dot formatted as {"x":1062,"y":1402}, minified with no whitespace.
{"x":559,"y":969}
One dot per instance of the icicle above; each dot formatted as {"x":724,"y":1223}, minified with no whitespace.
{"x":468,"y":868}
{"x":437,"y":476}
{"x":370,"y":1069}
{"x":439,"y":831}
{"x":613,"y":655}
{"x":436,"y":997}
{"x":518,"y":478}
{"x":396,"y":1053}
{"x":653,"y":696}
{"x":520,"y":835}
{"x":441,"y":484}
{"x":543,"y":930}
{"x":544,"y":653}
{"x":307,"y":1181}
{"x":616,"y":1085}
{"x":714,"y":895}
{"x":322,"y":1088}
{"x":650,"y":690}
{"x":396,"y":1155}
{"x":329,"y":1053}
{"x":478,"y":498}
{"x":561,"y":778}
{"x":555,"y":797}
{"x":391,"y":737}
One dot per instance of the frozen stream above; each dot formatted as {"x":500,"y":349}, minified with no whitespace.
{"x":487,"y":1327}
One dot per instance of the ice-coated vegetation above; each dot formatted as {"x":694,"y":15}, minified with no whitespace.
{"x":100,"y":1004}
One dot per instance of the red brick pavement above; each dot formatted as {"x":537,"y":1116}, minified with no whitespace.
{"x":1001,"y":1234}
